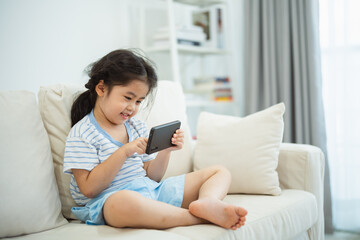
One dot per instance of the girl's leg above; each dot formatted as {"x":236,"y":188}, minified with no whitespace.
{"x":204,"y":191}
{"x":213,"y":181}
{"x":130,"y":209}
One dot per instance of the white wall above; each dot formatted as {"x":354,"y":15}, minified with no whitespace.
{"x":44,"y":42}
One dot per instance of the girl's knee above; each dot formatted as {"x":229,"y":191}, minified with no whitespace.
{"x":123,"y":199}
{"x":119,"y":206}
{"x":220,"y":168}
{"x":212,"y":170}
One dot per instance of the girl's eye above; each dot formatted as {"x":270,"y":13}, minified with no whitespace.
{"x":138,"y":102}
{"x":127,"y":98}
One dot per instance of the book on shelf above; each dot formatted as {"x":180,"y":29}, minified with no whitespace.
{"x":185,"y":35}
{"x":211,"y":20}
{"x":217,"y":88}
{"x":223,"y":90}
{"x":161,"y":43}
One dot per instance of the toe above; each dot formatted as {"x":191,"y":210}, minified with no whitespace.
{"x":241,"y":212}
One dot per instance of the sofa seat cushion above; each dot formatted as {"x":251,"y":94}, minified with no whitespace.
{"x":286,"y":216}
{"x":77,"y":230}
{"x":269,"y":217}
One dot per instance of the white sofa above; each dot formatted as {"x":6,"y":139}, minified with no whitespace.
{"x":34,"y":191}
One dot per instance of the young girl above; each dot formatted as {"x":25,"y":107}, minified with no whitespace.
{"x":113,"y":179}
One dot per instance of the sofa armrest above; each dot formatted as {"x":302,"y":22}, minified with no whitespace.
{"x":302,"y":167}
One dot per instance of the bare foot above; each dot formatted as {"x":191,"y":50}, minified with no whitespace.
{"x":218,"y":212}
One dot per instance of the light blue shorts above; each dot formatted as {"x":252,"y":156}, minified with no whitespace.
{"x":170,"y":191}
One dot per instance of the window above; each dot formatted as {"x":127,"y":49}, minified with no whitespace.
{"x":340,"y":46}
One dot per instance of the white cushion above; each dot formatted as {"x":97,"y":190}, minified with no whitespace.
{"x":286,"y":216}
{"x":80,"y":231}
{"x":29,"y":196}
{"x":55,"y":105}
{"x":282,"y":217}
{"x":169,"y":105}
{"x":248,"y":147}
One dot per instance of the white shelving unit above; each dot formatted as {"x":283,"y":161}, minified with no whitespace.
{"x":164,"y":13}
{"x":189,"y":49}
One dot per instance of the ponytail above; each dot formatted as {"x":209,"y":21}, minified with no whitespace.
{"x":82,"y":106}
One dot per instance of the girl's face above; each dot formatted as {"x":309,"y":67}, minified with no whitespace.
{"x":121,"y":103}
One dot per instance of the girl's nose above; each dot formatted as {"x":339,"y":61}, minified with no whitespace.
{"x":130,"y":106}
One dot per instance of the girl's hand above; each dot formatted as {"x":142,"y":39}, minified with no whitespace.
{"x":178,"y":140}
{"x":136,"y":146}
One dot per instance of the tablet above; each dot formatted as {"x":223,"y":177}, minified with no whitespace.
{"x":160,"y":136}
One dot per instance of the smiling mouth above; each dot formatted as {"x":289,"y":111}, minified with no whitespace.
{"x":125,"y":115}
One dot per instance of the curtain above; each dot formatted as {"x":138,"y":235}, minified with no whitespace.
{"x":282,"y":64}
{"x":340,"y":44}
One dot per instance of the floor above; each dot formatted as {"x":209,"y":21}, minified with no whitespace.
{"x":342,"y":236}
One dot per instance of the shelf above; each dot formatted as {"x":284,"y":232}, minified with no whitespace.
{"x":188,"y":49}
{"x":201,"y":2}
{"x":206,"y":103}
{"x":184,"y":63}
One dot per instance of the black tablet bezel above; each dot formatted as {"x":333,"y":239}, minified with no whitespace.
{"x":160,"y":136}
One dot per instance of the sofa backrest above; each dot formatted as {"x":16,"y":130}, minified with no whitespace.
{"x":55,"y":104}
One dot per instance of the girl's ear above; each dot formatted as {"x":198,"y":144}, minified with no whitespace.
{"x":100,"y":88}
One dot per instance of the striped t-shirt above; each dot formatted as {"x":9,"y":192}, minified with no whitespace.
{"x":88,"y":145}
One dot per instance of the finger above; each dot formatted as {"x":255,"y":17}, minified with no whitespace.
{"x":143,"y":140}
{"x":177,"y":138}
{"x":179,"y":145}
{"x":141,"y":147}
{"x":141,"y":143}
{"x":179,"y":131}
{"x":178,"y":142}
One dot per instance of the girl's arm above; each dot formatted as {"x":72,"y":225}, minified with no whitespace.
{"x":92,"y":183}
{"x":156,"y":168}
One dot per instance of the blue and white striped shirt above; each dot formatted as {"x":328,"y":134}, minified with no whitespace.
{"x":88,"y":145}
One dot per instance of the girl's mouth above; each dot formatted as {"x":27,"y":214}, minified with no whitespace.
{"x":125,"y":116}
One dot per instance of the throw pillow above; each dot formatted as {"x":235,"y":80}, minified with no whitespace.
{"x":169,"y":105}
{"x":29,"y":196}
{"x":248,"y":147}
{"x":55,"y":105}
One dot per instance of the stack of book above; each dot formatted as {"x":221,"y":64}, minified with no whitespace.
{"x":222,"y":90}
{"x":185,"y":35}
{"x":217,"y":88}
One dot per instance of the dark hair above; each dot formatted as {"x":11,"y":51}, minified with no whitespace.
{"x":119,"y":67}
